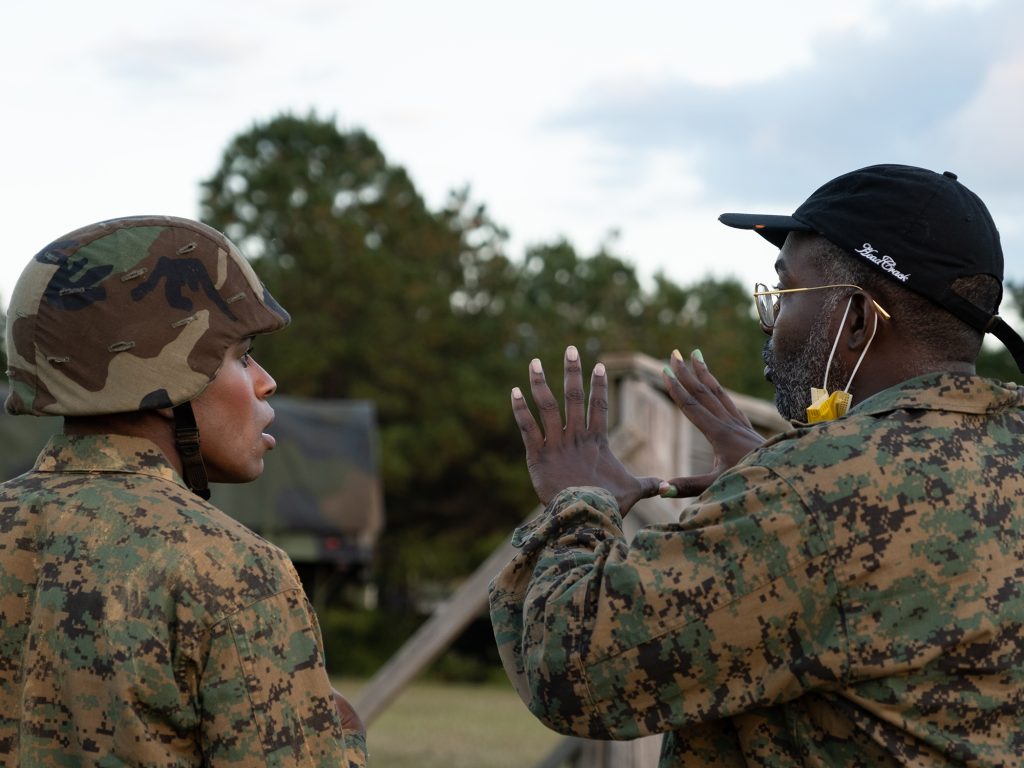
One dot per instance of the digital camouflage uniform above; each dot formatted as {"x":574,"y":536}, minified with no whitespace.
{"x":142,"y":626}
{"x":139,"y":625}
{"x":849,"y":595}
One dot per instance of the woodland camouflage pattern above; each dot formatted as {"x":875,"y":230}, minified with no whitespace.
{"x":101,"y":320}
{"x":849,"y":595}
{"x":142,"y":626}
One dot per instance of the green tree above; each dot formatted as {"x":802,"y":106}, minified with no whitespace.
{"x":424,"y":313}
{"x":715,"y":316}
{"x":560,"y":297}
{"x":391,"y":302}
{"x":599,"y":304}
{"x":995,"y":360}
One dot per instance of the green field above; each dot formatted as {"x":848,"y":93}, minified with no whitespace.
{"x":442,"y":725}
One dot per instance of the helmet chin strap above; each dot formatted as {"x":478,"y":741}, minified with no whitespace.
{"x":186,"y":440}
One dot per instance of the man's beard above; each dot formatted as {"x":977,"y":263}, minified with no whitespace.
{"x":794,"y":376}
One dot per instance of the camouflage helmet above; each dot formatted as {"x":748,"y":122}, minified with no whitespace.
{"x":130,"y":314}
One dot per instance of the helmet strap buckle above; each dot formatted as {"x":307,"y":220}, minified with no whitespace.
{"x":186,"y":440}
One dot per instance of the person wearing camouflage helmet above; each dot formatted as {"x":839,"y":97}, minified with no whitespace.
{"x":141,"y":625}
{"x":845,"y":594}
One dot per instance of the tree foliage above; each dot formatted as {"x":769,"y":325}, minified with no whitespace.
{"x":423,"y":313}
{"x":389,"y":303}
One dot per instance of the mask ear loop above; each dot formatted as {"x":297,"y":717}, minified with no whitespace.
{"x":862,"y":354}
{"x":835,"y":345}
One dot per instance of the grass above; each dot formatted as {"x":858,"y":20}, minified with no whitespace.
{"x":446,"y":725}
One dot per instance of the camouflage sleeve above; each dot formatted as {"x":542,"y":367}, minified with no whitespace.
{"x":264,"y":694}
{"x":733,"y":608}
{"x":355,"y":750}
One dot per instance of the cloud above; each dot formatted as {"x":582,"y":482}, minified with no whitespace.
{"x":154,"y":62}
{"x":908,"y":90}
{"x":986,"y":132}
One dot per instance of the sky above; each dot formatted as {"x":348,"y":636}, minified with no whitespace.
{"x":633,"y":124}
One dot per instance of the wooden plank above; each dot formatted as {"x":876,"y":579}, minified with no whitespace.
{"x":433,"y":637}
{"x":762,"y":413}
{"x":567,"y":751}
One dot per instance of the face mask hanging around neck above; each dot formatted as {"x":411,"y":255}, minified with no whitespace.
{"x":825,"y":406}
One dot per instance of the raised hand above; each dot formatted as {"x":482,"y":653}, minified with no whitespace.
{"x":576,"y":454}
{"x":703,"y":401}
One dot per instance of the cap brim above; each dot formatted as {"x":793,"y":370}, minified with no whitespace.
{"x":772,"y":228}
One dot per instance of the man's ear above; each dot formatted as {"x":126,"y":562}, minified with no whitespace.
{"x":860,"y":321}
{"x":167,"y":413}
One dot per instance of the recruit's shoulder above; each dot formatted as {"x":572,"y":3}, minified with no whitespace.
{"x":235,"y":566}
{"x":115,"y":492}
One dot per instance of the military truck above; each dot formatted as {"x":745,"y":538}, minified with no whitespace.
{"x":319,"y":498}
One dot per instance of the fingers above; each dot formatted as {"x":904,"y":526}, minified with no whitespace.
{"x":711,"y":410}
{"x":649,"y":486}
{"x":547,"y":406}
{"x":699,"y":395}
{"x":703,"y":374}
{"x":532,"y":437}
{"x":597,"y":412}
{"x":687,"y":487}
{"x":692,"y":397}
{"x":575,"y":415}
{"x":581,"y":415}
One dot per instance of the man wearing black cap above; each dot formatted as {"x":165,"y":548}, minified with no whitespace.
{"x":920,"y":240}
{"x":849,"y":593}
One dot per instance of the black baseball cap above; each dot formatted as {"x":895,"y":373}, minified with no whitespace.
{"x":920,"y":228}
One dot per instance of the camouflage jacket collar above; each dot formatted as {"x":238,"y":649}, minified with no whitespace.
{"x":105,"y":453}
{"x":955,"y":392}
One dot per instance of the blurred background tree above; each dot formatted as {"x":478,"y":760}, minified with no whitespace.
{"x":425,"y":314}
{"x":389,"y":304}
{"x":995,"y":361}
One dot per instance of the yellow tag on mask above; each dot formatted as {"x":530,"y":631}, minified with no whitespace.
{"x":825,"y":407}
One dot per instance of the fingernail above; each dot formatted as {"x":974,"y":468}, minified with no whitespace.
{"x":668,"y":491}
{"x":535,"y":366}
{"x":676,"y":355}
{"x":517,"y":393}
{"x":572,"y":354}
{"x":698,"y":356}
{"x":599,"y":369}
{"x":668,"y":372}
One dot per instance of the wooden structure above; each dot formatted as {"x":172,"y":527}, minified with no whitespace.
{"x":651,"y":437}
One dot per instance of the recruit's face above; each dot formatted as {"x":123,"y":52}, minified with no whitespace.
{"x":232,"y":415}
{"x":797,"y":351}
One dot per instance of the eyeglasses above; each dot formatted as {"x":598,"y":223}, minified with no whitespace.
{"x":768,"y":304}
